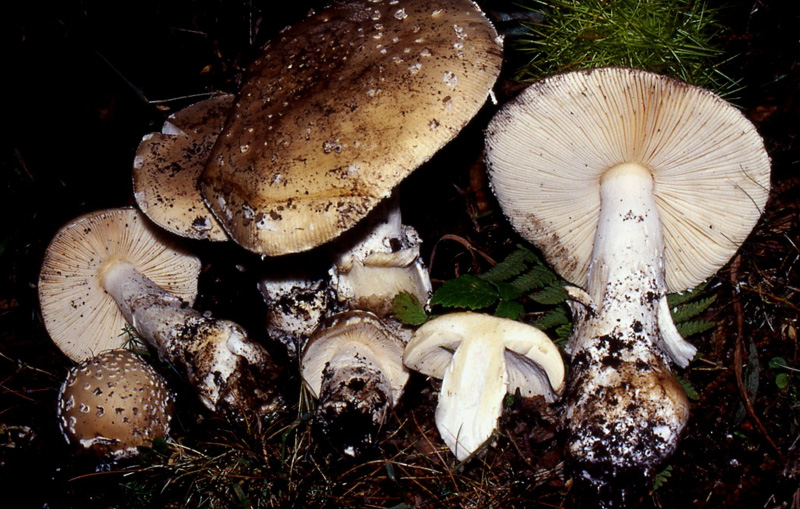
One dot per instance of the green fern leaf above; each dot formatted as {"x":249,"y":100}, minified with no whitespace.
{"x":692,"y":309}
{"x":553,"y":318}
{"x":550,"y":295}
{"x":408,"y":310}
{"x":691,"y":392}
{"x":676,"y":299}
{"x":510,"y":309}
{"x":465,"y":292}
{"x":507,"y":291}
{"x":564,"y":331}
{"x":538,"y":277}
{"x":695,"y":327}
{"x":662,"y":477}
{"x":513,"y":265}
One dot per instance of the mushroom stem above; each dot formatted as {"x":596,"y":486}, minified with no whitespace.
{"x":232,"y":373}
{"x":381,"y":259}
{"x":471,"y":397}
{"x":625,"y":408}
{"x":355,"y":398}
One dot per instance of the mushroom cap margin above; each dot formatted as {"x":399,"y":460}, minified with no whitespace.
{"x":81,"y":318}
{"x":547,"y":149}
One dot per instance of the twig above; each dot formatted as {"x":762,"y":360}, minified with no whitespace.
{"x":738,"y":359}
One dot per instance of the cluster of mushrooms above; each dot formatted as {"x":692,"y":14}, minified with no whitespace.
{"x":632,"y":184}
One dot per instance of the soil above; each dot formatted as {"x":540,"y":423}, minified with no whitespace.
{"x":88,"y":79}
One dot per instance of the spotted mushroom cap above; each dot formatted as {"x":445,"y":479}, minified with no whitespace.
{"x":338,"y":109}
{"x":81,"y":318}
{"x":547,"y":150}
{"x":168,"y":164}
{"x":112,"y":403}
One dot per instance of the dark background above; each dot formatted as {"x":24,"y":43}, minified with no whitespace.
{"x":85,"y":80}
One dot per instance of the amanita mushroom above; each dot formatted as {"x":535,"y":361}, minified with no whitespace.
{"x":633,"y":185}
{"x":113,"y":403}
{"x":168,"y":164}
{"x":481,"y":358}
{"x":354,"y":367}
{"x":112,"y":267}
{"x":338,"y":109}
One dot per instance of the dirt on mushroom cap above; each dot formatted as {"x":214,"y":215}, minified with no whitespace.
{"x":338,"y":110}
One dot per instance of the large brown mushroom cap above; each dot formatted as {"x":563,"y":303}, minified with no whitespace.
{"x":548,"y":149}
{"x":168,"y":164}
{"x":80,"y":316}
{"x":113,"y":403}
{"x":339,"y":109}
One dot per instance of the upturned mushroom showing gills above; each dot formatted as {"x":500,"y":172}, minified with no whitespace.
{"x":112,"y":267}
{"x":354,"y":367}
{"x":113,"y":403}
{"x":336,"y":111}
{"x":481,"y":358}
{"x":633,"y":185}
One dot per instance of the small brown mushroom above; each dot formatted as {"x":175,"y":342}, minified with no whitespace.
{"x":113,"y":403}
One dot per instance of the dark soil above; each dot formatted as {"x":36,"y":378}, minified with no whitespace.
{"x":86,"y":80}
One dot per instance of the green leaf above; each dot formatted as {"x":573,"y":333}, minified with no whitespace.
{"x":515,"y":263}
{"x":554,"y":318}
{"x":564,"y":331}
{"x":782,"y":380}
{"x":692,"y":309}
{"x":696,"y":327}
{"x":465,"y":292}
{"x":662,"y":477}
{"x":507,"y":291}
{"x":691,"y":392}
{"x":408,"y":310}
{"x":510,"y":309}
{"x":538,"y":277}
{"x":777,"y":363}
{"x":676,"y":299}
{"x":553,"y":294}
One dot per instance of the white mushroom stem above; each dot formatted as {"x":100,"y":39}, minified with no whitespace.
{"x":471,"y":397}
{"x":625,"y":408}
{"x":297,"y":305}
{"x":231,"y":373}
{"x":382,"y":262}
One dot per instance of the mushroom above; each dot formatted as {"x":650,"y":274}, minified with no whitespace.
{"x":168,"y":164}
{"x":633,"y":185}
{"x":340,"y":108}
{"x":481,"y":358}
{"x":354,"y":367}
{"x":369,"y":271}
{"x":113,"y":403}
{"x":111,"y":267}
{"x":297,"y":304}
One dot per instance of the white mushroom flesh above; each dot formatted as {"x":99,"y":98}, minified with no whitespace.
{"x":480,"y":358}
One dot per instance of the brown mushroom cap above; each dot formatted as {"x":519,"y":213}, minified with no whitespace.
{"x":339,"y":109}
{"x":112,"y":403}
{"x":81,"y":318}
{"x":168,"y":164}
{"x":548,"y":149}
